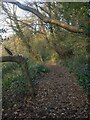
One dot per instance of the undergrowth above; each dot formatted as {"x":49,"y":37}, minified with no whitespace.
{"x":12,"y":76}
{"x":79,"y":66}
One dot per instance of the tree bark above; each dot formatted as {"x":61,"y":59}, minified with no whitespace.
{"x":47,"y":19}
{"x":18,"y":59}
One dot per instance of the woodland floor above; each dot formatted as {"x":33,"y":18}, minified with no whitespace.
{"x":58,"y":97}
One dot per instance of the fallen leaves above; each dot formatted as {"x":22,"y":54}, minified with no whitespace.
{"x":58,"y":96}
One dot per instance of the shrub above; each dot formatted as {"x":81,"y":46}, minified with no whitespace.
{"x":79,"y":66}
{"x":14,"y":80}
{"x":36,"y":70}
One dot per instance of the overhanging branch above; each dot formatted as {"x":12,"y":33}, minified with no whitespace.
{"x":18,"y":59}
{"x":47,"y":19}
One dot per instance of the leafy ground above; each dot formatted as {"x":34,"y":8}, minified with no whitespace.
{"x":58,"y":96}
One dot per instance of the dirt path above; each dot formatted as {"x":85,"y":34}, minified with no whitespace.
{"x":58,"y":96}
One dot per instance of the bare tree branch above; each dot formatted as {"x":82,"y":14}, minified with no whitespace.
{"x":47,"y":19}
{"x":18,"y":59}
{"x":8,"y":51}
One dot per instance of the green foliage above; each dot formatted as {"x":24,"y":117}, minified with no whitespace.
{"x":13,"y":79}
{"x":18,"y":86}
{"x":79,"y":66}
{"x":10,"y":72}
{"x":86,"y":28}
{"x":9,"y":68}
{"x":41,"y":48}
{"x":37,"y":69}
